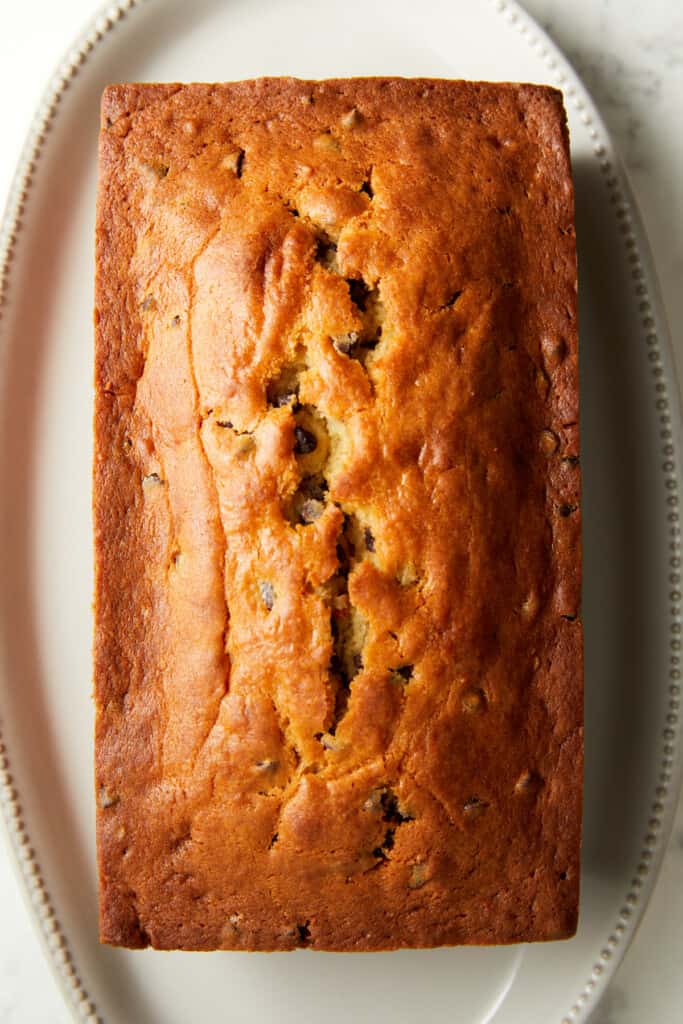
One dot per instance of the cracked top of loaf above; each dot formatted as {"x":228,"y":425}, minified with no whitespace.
{"x":338,"y":658}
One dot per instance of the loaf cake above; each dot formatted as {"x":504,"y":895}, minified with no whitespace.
{"x":338,"y":649}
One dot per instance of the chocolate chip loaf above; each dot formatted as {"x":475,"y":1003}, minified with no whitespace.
{"x":338,"y":655}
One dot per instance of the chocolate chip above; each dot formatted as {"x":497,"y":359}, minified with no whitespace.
{"x":233,"y":161}
{"x":304,"y":441}
{"x":308,"y":501}
{"x":405,"y":672}
{"x":303,"y":933}
{"x":554,"y":351}
{"x":474,"y":807}
{"x":367,"y":188}
{"x":566,"y":510}
{"x":351,"y":119}
{"x":106,"y":798}
{"x":373,"y":801}
{"x":314,"y":487}
{"x":288,"y":398}
{"x":326,"y":141}
{"x":267,"y":594}
{"x":549,"y":442}
{"x":358,"y":662}
{"x":418,"y":876}
{"x":473,"y":701}
{"x":311,"y":510}
{"x":369,"y":539}
{"x":284,"y":388}
{"x":528,"y":784}
{"x":345,"y":342}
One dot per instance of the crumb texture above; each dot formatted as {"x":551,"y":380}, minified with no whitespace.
{"x":338,"y":659}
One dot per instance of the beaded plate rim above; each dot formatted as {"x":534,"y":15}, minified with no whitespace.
{"x":655,"y":338}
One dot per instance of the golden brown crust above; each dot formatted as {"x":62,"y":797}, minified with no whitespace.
{"x":338,"y":659}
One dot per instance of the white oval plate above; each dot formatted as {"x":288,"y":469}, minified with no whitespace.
{"x":631,"y":443}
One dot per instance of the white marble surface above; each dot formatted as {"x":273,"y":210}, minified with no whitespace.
{"x":630,"y":55}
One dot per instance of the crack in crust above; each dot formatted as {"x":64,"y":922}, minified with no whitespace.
{"x":192,"y":288}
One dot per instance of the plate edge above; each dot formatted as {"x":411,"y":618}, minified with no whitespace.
{"x":656,"y":338}
{"x":23,"y":858}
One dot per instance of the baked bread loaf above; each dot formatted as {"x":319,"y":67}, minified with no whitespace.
{"x":338,"y":656}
